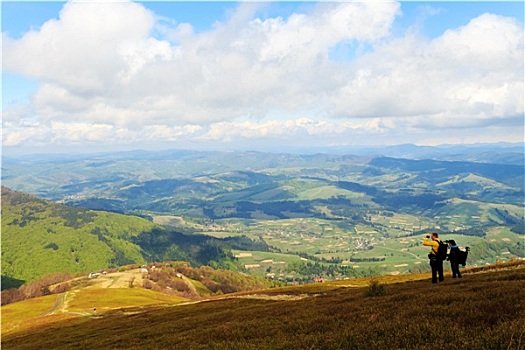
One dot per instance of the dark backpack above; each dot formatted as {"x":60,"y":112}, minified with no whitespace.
{"x":461,"y":256}
{"x":442,"y":251}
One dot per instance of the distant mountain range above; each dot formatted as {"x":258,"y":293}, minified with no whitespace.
{"x":501,"y":153}
{"x":498,"y":153}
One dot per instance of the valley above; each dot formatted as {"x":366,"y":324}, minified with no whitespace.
{"x":307,"y":216}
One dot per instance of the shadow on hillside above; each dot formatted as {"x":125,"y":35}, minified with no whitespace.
{"x":10,"y":282}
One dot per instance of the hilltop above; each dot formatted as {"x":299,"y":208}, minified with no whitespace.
{"x":484,"y":310}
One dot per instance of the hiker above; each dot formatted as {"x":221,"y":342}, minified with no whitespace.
{"x":454,"y":257}
{"x":436,"y":262}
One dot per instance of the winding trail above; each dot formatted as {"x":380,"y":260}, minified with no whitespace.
{"x":110,"y":280}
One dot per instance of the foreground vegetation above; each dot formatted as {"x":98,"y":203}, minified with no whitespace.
{"x":483,"y":310}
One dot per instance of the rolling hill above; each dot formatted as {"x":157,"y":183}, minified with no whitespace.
{"x":483,"y":310}
{"x":41,"y":237}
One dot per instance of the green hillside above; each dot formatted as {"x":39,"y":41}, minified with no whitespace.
{"x":483,"y":310}
{"x":40,"y":237}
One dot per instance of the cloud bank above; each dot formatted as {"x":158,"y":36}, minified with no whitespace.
{"x":117,"y":73}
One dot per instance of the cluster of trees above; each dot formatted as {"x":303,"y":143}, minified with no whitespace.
{"x":280,"y":209}
{"x":168,"y":245}
{"x":517,"y":224}
{"x":28,"y":207}
{"x":517,"y":249}
{"x":73,"y":216}
{"x":51,"y":284}
{"x":168,"y":279}
{"x":421,"y":202}
{"x":225,"y":281}
{"x":352,"y":259}
{"x":311,"y":270}
{"x":284,"y":209}
{"x":356,"y":187}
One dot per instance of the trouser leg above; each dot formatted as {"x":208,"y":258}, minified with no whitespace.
{"x":440,"y":269}
{"x":434,"y":270}
{"x":455,"y":270}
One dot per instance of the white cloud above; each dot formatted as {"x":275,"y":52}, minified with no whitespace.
{"x":174,"y":133}
{"x":87,"y":49}
{"x":473,"y":72}
{"x":285,"y":130}
{"x":303,"y":38}
{"x":105,"y":78}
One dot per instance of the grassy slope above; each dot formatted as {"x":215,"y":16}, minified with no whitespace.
{"x":106,"y":293}
{"x":480,"y":311}
{"x":41,"y":237}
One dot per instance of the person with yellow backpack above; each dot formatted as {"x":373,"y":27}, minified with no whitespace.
{"x":438,"y":253}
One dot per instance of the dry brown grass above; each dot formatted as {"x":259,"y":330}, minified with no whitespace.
{"x":480,"y":311}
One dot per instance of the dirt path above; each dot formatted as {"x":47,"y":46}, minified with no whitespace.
{"x":61,"y":305}
{"x":110,"y":280}
{"x":189,"y":284}
{"x":58,"y":304}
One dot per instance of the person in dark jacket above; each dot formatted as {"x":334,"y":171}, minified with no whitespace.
{"x":453,"y":257}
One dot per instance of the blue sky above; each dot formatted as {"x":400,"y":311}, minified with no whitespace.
{"x":21,"y":16}
{"x":247,"y":75}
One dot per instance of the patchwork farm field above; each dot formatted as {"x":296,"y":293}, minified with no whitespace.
{"x":385,"y":243}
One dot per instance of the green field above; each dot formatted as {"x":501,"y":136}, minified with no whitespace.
{"x":385,"y":237}
{"x":389,"y":243}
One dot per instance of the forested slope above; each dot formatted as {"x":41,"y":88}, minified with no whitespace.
{"x":41,"y":237}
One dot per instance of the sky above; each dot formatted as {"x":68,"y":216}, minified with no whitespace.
{"x":272,"y":76}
